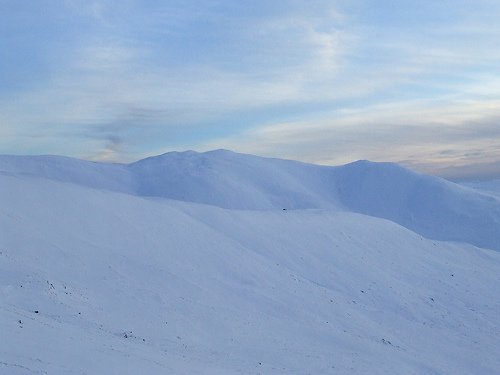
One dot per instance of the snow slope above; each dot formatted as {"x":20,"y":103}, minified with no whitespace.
{"x":230,"y":180}
{"x":95,"y":281}
{"x":114,"y":177}
{"x":491,"y":187}
{"x":430,"y":206}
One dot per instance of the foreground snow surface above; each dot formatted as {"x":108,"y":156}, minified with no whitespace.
{"x":96,"y":280}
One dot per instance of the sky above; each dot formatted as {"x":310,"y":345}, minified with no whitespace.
{"x":328,"y":82}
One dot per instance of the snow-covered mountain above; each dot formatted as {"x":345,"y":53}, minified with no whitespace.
{"x":430,"y":206}
{"x":187,"y":263}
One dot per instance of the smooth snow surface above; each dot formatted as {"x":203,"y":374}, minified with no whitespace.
{"x":97,"y":277}
{"x":431,"y":206}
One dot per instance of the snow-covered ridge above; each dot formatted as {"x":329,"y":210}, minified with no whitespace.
{"x":431,"y":206}
{"x":428,"y":205}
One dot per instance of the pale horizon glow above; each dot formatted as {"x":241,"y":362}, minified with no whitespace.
{"x":326,"y":82}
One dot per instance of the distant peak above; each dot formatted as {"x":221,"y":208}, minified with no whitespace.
{"x":360,"y":162}
{"x":220,"y":151}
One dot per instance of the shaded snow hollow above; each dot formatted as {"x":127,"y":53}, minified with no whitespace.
{"x":431,"y":206}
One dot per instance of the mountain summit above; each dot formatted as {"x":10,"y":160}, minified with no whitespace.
{"x":431,"y":206}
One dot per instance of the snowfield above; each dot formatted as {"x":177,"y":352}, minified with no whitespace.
{"x":223,"y":263}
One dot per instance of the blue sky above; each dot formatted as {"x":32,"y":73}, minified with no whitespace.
{"x":415,"y":82}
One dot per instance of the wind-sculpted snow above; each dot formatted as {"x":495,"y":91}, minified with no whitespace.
{"x":101,"y":282}
{"x":430,"y":206}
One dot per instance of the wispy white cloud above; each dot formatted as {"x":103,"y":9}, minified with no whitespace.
{"x":429,"y":137}
{"x":318,"y":80}
{"x":109,"y":76}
